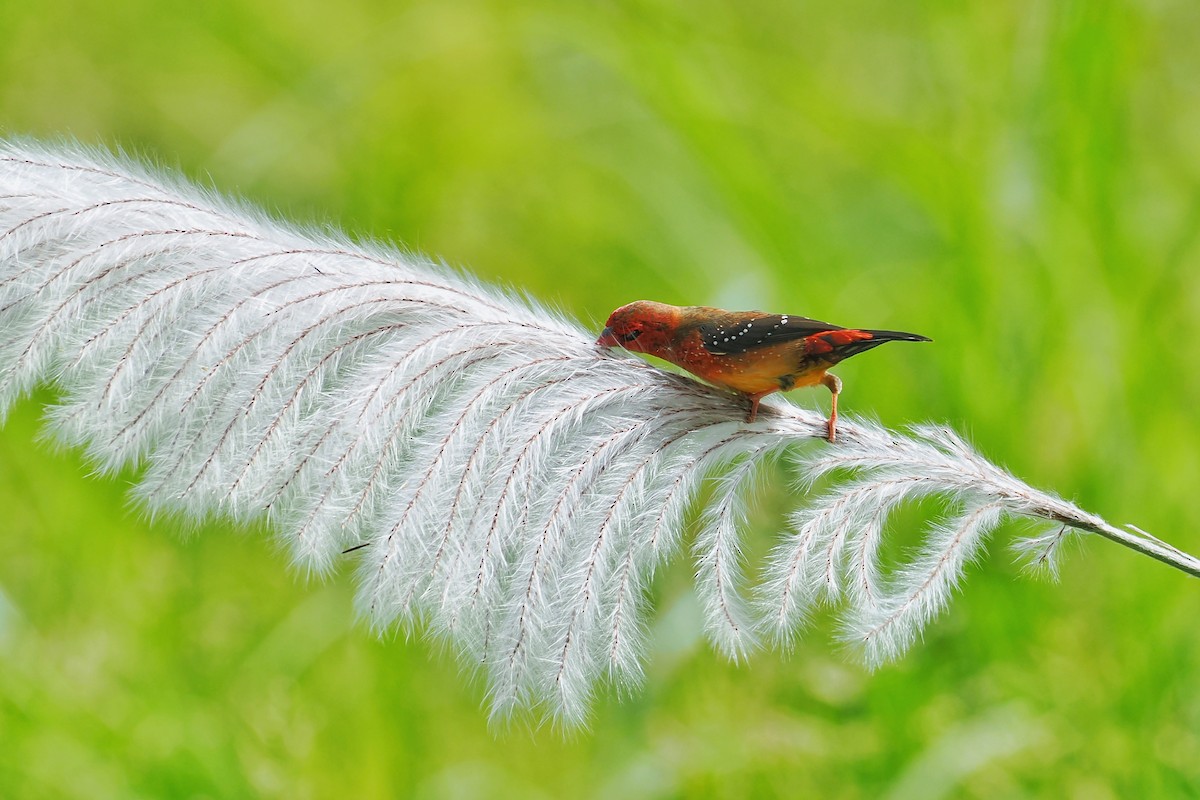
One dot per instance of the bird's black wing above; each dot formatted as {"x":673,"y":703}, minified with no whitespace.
{"x":746,"y":332}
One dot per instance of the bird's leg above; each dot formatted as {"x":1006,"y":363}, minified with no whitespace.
{"x":835,"y":387}
{"x":754,"y":398}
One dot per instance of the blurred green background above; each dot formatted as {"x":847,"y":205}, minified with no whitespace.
{"x":1020,"y":181}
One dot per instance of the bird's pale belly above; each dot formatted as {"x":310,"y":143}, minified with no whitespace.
{"x":756,"y":372}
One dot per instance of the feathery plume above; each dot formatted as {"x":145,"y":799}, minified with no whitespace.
{"x":508,"y":486}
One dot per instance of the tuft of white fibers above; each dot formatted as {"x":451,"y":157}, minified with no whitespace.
{"x":508,"y":486}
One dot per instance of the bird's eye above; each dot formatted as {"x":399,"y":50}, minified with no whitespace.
{"x":629,"y":337}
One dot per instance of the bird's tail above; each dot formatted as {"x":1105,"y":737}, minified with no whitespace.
{"x":896,"y":336}
{"x":856,"y":346}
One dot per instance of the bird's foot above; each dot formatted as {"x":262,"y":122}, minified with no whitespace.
{"x":753,"y":414}
{"x":834,"y":384}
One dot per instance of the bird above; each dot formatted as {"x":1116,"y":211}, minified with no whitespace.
{"x":751,"y":352}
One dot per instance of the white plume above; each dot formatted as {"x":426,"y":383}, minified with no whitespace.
{"x":513,"y":486}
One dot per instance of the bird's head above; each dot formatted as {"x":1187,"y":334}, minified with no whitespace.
{"x":641,"y":327}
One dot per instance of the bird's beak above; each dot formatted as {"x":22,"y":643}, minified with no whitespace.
{"x":607,"y":339}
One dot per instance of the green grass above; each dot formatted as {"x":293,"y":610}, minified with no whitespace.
{"x":1020,"y":181}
